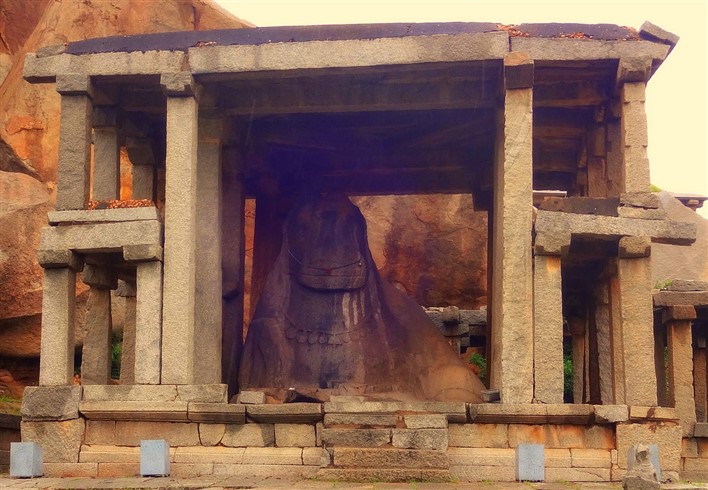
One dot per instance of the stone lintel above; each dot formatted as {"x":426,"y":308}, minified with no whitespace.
{"x":142,"y":253}
{"x":551,"y":243}
{"x":652,"y":32}
{"x":43,"y":69}
{"x":74,"y":84}
{"x":678,"y":312}
{"x":51,"y":402}
{"x":54,"y":259}
{"x":660,"y":231}
{"x":83,"y":216}
{"x":634,"y":69}
{"x":180,"y":84}
{"x":634,"y":247}
{"x":286,"y":413}
{"x":349,"y":53}
{"x":640,"y":213}
{"x":672,"y":298}
{"x":701,"y":429}
{"x":222,"y":413}
{"x":104,"y":116}
{"x":688,"y":285}
{"x":518,"y":70}
{"x":543,"y":49}
{"x":101,"y":237}
{"x":581,"y":205}
{"x":645,"y":200}
{"x":175,"y":411}
{"x":102,"y":277}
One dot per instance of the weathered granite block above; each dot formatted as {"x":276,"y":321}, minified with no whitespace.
{"x":437,"y":421}
{"x":60,"y":441}
{"x":258,"y":435}
{"x":347,"y":457}
{"x":251,"y":397}
{"x":420,"y":439}
{"x":294,"y":435}
{"x":51,"y":403}
{"x":286,"y":413}
{"x":356,"y":437}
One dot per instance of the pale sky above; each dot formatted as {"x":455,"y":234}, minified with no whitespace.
{"x":677,"y":95}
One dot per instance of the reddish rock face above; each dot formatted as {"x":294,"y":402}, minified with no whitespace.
{"x":326,"y":322}
{"x":29,"y":135}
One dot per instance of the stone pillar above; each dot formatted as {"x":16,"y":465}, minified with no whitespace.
{"x":98,"y":328}
{"x":178,"y":327}
{"x":512,"y":329}
{"x":603,"y":327}
{"x":632,"y":75}
{"x":636,"y":313}
{"x":659,"y":364}
{"x":679,"y":341}
{"x":74,"y":163}
{"x":700,"y":376}
{"x":616,"y":337}
{"x":148,"y":323}
{"x":233,"y":250}
{"x":106,"y":154}
{"x":56,"y":360}
{"x":127,"y":357}
{"x":143,"y":159}
{"x":548,"y":330}
{"x":207,"y":341}
{"x":576,"y":325}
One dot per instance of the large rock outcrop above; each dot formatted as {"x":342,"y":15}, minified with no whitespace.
{"x":673,"y":262}
{"x":29,"y":132}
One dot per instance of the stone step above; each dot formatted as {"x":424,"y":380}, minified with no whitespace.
{"x":391,"y":475}
{"x":345,"y":457}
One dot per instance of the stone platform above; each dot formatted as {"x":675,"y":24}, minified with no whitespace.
{"x":95,"y":431}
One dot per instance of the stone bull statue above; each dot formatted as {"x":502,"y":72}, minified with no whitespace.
{"x":327,"y":324}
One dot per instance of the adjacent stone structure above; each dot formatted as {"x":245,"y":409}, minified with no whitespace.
{"x":210,"y":118}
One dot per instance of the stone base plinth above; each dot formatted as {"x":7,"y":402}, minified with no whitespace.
{"x":355,"y":440}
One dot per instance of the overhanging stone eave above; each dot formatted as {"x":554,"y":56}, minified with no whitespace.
{"x":353,"y":53}
{"x":562,"y":49}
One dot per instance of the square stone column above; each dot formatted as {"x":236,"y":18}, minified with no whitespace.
{"x":74,"y":164}
{"x":126,"y":290}
{"x":632,"y":75}
{"x":207,"y":341}
{"x":178,"y":319}
{"x":98,"y":327}
{"x":616,"y":337}
{"x":148,"y":322}
{"x":106,"y":154}
{"x":603,"y":327}
{"x":512,"y":281}
{"x":637,"y":318}
{"x":56,"y":360}
{"x":548,"y":329}
{"x":577,"y":328}
{"x":142,"y":157}
{"x":233,"y":250}
{"x":679,"y":341}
